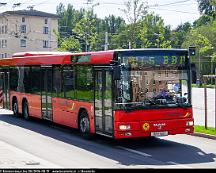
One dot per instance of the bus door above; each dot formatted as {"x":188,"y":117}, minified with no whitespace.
{"x":46,"y":92}
{"x":4,"y":90}
{"x":103,"y":101}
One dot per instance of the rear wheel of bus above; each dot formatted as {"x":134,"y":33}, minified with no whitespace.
{"x":84,"y":124}
{"x":25,"y":110}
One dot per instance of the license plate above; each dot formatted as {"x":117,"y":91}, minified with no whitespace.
{"x":157,"y":134}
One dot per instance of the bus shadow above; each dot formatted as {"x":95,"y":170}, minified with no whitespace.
{"x":161,"y":152}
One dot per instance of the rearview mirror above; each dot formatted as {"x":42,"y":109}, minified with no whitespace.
{"x":116,"y":72}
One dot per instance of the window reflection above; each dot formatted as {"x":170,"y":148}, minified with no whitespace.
{"x":154,"y":86}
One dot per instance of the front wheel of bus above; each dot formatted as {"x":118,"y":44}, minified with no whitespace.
{"x":25,"y":110}
{"x":84,"y":125}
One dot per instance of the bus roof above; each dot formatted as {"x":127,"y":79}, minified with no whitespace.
{"x":54,"y":58}
{"x":101,"y":57}
{"x":34,"y":53}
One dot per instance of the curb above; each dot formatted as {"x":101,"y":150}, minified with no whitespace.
{"x":204,"y":135}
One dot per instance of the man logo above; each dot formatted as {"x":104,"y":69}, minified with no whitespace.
{"x":146,"y":126}
{"x":159,"y":125}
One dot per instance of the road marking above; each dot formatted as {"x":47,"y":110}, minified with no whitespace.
{"x":148,"y":155}
{"x":134,"y":151}
{"x":180,"y":165}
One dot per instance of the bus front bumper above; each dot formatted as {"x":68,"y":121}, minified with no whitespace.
{"x":153,"y":128}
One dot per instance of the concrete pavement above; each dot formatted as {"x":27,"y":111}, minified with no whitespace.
{"x":12,"y":157}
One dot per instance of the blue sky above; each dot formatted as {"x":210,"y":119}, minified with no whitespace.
{"x":174,"y":12}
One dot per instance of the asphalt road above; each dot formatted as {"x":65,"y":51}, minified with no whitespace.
{"x":42,"y":144}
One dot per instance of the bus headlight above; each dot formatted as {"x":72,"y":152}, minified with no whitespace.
{"x":189,"y":123}
{"x":124,"y":127}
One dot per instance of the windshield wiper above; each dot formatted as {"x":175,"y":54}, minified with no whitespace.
{"x":135,"y":107}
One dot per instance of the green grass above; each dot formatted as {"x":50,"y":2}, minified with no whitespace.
{"x":209,"y":130}
{"x":207,"y":86}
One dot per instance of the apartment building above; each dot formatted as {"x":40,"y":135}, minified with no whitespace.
{"x":27,"y":30}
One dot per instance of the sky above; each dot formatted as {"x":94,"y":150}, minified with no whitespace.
{"x":174,"y":12}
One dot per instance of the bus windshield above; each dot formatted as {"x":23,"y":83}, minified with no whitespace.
{"x":152,"y":82}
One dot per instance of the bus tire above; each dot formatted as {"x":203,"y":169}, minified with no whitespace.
{"x":15,"y":107}
{"x":25,"y":110}
{"x":84,"y":125}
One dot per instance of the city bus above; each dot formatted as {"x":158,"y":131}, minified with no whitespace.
{"x":130,"y":93}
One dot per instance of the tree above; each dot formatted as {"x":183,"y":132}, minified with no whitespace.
{"x":111,"y":24}
{"x":86,"y":29}
{"x":203,"y":47}
{"x":179,"y":34}
{"x":207,"y":7}
{"x":70,"y":44}
{"x":153,"y":32}
{"x":134,"y":11}
{"x":201,"y":42}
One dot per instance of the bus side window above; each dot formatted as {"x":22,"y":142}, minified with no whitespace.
{"x":68,"y":80}
{"x":57,"y":82}
{"x":13,"y":78}
{"x":84,"y":83}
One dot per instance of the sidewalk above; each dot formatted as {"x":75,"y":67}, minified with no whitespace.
{"x":12,"y":157}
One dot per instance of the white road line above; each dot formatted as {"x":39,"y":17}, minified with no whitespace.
{"x":148,"y":155}
{"x":134,"y":151}
{"x":177,"y":164}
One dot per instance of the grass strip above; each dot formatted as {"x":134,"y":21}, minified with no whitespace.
{"x":209,"y":130}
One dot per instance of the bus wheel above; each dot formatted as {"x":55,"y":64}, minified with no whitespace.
{"x":25,"y":110}
{"x":84,"y":125}
{"x":15,"y":108}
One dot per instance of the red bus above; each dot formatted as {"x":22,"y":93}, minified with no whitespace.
{"x":116,"y":93}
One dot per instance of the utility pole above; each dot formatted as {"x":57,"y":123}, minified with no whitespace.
{"x":106,"y":41}
{"x":129,"y":45}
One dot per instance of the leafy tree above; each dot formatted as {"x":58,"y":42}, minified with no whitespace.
{"x":86,"y":29}
{"x":70,"y":44}
{"x":153,"y":31}
{"x":179,"y":34}
{"x":207,"y":7}
{"x":111,"y":24}
{"x":201,"y":42}
{"x":203,"y":47}
{"x":134,"y":11}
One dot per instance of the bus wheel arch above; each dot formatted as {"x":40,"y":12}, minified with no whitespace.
{"x":84,"y":123}
{"x":25,"y":108}
{"x":15,"y":107}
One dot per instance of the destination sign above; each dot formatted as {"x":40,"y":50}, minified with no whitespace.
{"x":139,"y":61}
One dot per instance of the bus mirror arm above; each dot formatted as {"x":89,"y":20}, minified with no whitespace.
{"x":116,"y":72}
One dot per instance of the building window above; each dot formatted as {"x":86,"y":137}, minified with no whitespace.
{"x":6,"y":29}
{"x":4,"y":43}
{"x":46,"y":21}
{"x":23,"y":28}
{"x":45,"y":43}
{"x":2,"y":30}
{"x":45,"y":30}
{"x":22,"y":43}
{"x":23,"y":19}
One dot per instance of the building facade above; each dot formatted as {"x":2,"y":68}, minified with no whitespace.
{"x":27,"y":30}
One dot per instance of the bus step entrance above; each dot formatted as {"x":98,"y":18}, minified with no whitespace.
{"x":47,"y":115}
